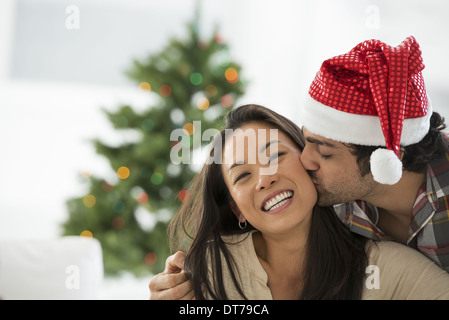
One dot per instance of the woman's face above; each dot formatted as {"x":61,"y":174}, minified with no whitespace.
{"x":266,"y":179}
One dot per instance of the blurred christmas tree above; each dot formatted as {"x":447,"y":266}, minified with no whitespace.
{"x":194,"y":81}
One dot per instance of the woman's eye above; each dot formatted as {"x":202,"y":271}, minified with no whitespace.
{"x":275,"y":156}
{"x":241,"y":176}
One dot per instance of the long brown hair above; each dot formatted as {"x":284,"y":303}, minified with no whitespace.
{"x":336,"y":258}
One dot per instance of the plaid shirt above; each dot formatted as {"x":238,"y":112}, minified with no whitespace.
{"x":429,"y":225}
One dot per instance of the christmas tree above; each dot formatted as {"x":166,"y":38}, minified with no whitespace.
{"x":195,"y":83}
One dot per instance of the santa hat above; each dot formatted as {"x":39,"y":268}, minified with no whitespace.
{"x":374,"y":95}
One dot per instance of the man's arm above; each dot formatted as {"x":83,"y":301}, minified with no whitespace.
{"x":172,"y":283}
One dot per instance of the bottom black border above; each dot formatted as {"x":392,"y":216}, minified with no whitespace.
{"x":232,"y":309}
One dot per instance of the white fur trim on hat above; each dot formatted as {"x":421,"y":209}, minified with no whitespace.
{"x":354,"y":128}
{"x":385,"y":166}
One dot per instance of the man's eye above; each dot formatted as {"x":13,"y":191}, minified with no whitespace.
{"x":325,"y":156}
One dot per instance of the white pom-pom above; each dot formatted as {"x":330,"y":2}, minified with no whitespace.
{"x":385,"y":166}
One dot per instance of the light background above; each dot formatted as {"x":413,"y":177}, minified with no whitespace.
{"x":54,"y":80}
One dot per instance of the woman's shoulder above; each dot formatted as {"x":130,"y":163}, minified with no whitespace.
{"x":394,"y":255}
{"x":403,"y":273}
{"x":385,"y":250}
{"x":395,"y":259}
{"x":250,"y":273}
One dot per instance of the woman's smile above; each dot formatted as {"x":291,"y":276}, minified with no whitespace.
{"x":277,"y":201}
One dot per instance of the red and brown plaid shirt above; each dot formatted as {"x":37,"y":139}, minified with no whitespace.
{"x":429,"y":225}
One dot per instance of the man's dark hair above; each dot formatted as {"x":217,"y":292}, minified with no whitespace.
{"x":416,"y":156}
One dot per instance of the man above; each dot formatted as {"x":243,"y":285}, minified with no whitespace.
{"x":372,"y":136}
{"x":375,"y":150}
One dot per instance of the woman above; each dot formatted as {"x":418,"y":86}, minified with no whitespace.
{"x":261,"y":236}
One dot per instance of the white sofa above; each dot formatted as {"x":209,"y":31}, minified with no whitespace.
{"x":52,"y":269}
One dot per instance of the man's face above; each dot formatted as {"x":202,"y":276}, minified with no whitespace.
{"x":334,"y":171}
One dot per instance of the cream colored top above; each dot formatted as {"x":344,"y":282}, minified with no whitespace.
{"x":397,"y":272}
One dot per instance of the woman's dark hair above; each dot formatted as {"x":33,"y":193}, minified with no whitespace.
{"x":416,"y":156}
{"x":336,"y":257}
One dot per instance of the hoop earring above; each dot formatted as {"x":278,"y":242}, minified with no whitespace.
{"x":244,"y":225}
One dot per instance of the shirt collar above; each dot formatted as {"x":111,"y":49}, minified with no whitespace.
{"x":426,"y":203}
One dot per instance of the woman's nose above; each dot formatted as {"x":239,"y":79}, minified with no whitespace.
{"x":266,"y":181}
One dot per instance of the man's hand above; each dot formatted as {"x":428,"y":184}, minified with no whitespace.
{"x":172,"y":283}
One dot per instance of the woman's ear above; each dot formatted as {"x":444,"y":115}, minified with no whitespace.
{"x":236,"y":211}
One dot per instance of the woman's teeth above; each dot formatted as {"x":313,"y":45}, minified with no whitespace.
{"x":278,"y":200}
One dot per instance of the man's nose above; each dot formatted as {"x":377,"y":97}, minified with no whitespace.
{"x":308,"y":161}
{"x":266,"y":181}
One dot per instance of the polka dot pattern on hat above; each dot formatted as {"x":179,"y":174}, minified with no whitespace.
{"x":378,"y":80}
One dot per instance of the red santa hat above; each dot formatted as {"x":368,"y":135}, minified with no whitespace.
{"x":373,"y":95}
